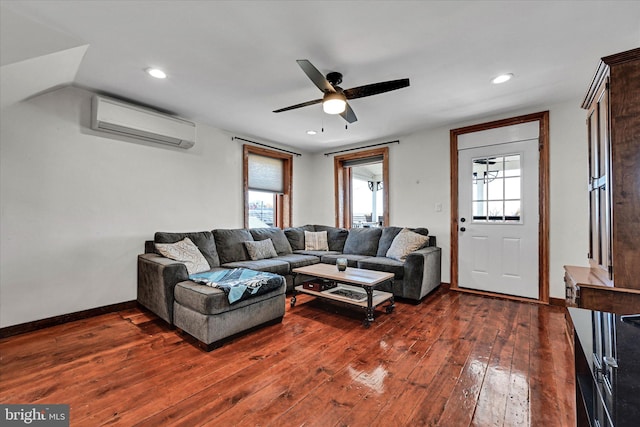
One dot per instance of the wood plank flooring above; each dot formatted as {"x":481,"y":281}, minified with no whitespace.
{"x":454,"y":360}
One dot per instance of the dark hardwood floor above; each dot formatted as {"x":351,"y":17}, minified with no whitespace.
{"x":454,"y":360}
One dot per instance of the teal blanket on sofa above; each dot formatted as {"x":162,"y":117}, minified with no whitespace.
{"x":239,"y":283}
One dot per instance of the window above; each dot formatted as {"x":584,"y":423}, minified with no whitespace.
{"x":366,"y":191}
{"x":267,"y":188}
{"x":261,"y":206}
{"x":362,"y":188}
{"x":497,"y":189}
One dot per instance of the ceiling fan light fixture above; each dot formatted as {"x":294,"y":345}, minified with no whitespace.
{"x":335,"y":98}
{"x":334,"y":103}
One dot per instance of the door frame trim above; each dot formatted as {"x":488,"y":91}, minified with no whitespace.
{"x":543,"y":202}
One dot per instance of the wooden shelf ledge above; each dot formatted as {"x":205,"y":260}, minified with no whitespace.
{"x":586,"y":290}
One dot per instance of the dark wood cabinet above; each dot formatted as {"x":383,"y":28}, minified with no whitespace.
{"x":613,"y":123}
{"x":607,"y":375}
{"x":612,"y":281}
{"x":607,"y":339}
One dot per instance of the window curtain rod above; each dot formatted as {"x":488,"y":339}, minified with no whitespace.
{"x":233,"y":138}
{"x":397,"y":141}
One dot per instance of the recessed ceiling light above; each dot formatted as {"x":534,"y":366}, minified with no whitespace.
{"x":156,"y":72}
{"x":311,"y":132}
{"x":502,"y":78}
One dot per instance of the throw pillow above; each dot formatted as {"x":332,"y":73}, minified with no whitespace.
{"x":336,"y":236}
{"x":186,"y":252}
{"x":260,"y":249}
{"x":404,"y":243}
{"x":315,"y":241}
{"x":277,"y":236}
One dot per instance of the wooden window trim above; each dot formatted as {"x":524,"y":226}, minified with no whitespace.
{"x":342,"y":180}
{"x":283,"y":207}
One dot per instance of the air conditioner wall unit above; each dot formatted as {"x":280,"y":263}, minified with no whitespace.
{"x":113,"y":116}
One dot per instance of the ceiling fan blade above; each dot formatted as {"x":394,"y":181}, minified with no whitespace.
{"x":348,"y":114}
{"x":375,"y":88}
{"x":293,"y":107}
{"x":316,"y":76}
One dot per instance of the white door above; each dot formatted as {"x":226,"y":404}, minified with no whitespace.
{"x":498,"y":210}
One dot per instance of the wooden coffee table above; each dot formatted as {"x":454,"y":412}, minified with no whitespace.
{"x":349,"y":286}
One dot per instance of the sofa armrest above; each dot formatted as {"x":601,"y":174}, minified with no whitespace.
{"x":421,"y":272}
{"x":157,"y":276}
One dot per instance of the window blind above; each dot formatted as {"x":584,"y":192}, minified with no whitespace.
{"x":364,"y":161}
{"x":266,"y":174}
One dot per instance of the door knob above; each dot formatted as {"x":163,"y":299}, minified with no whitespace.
{"x":462,"y":219}
{"x":463,"y":229}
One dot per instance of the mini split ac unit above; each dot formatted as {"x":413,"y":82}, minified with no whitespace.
{"x":110,"y":115}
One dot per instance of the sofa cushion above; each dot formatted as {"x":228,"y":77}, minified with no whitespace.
{"x":318,"y":254}
{"x":230,"y":244}
{"x":386,"y":238}
{"x":295,"y":236}
{"x":261,"y":249}
{"x":186,"y":252}
{"x":276,"y":235}
{"x":352,"y":260}
{"x":239,"y":283}
{"x":385,"y":264}
{"x":271,"y":265}
{"x":363,"y":241}
{"x":315,"y":241}
{"x":299,"y":260}
{"x":336,"y":237}
{"x":208,"y":300}
{"x":421,"y":230}
{"x":203,"y":240}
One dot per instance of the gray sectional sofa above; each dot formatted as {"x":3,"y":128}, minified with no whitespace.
{"x":205,"y":313}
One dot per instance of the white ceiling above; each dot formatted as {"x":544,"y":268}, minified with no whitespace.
{"x":231,"y":63}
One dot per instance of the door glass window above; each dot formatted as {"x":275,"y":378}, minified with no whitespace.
{"x":497,"y":189}
{"x":367,"y":209}
{"x":362,"y":188}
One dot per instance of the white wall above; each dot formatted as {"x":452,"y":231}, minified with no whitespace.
{"x":77,"y":206}
{"x":568,"y":199}
{"x":419,"y":175}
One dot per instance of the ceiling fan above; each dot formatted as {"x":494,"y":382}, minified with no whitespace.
{"x":335,"y":98}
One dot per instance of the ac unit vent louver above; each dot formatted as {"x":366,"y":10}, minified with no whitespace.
{"x":110,"y":115}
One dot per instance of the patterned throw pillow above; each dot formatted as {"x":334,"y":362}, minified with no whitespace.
{"x":404,"y":243}
{"x":260,"y":249}
{"x":315,"y":241}
{"x":186,"y":252}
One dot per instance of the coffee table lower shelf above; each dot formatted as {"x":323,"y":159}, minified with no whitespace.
{"x":335,"y":294}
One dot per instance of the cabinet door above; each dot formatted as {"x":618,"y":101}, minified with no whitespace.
{"x":604,"y":366}
{"x":594,"y":211}
{"x":599,"y":197}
